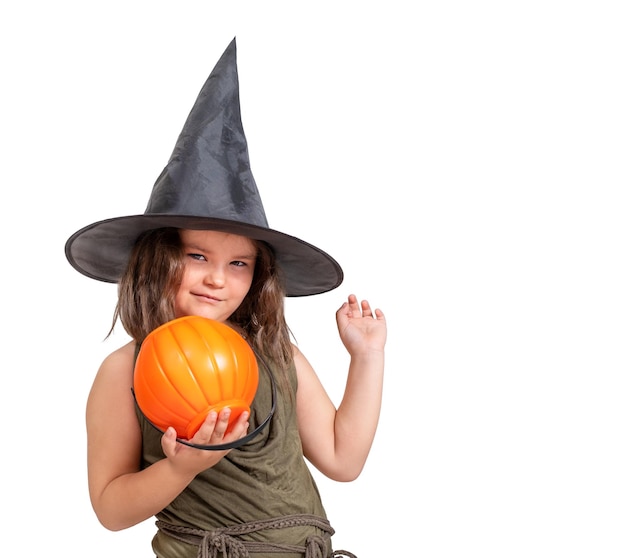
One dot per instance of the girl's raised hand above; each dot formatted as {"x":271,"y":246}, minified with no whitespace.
{"x":361,"y":328}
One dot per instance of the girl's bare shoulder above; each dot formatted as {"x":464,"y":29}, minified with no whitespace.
{"x":120,"y":361}
{"x":113,"y":381}
{"x":125,"y":352}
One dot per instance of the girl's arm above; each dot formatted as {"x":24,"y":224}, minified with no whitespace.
{"x":337,"y":441}
{"x":122,"y":494}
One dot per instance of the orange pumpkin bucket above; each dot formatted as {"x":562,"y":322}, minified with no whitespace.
{"x":190,"y":366}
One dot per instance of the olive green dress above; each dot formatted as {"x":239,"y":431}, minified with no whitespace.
{"x":264,"y":479}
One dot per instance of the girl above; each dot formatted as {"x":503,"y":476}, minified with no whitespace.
{"x":188,"y":255}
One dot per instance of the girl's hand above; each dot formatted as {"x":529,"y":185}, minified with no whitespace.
{"x":213,"y":431}
{"x":360,"y":327}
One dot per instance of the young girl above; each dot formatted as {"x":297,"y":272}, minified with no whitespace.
{"x":187,"y":255}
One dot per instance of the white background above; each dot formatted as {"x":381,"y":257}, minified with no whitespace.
{"x":463,"y":161}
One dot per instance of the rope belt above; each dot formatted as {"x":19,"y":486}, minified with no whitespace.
{"x":222,"y":542}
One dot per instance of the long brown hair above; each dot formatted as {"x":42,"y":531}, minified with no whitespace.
{"x":148,"y":288}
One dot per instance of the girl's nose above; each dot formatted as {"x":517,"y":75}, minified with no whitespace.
{"x":215,"y":276}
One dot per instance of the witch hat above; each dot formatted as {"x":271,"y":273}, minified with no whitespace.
{"x":206,"y":185}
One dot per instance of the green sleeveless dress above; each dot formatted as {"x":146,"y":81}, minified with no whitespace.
{"x":264,"y":479}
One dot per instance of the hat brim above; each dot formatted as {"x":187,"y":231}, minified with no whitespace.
{"x":101,"y":250}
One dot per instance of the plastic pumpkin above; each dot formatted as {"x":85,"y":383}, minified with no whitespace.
{"x":190,"y":366}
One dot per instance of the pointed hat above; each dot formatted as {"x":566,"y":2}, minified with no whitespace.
{"x":206,"y":185}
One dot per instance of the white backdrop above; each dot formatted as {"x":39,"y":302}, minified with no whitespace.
{"x":463,"y":161}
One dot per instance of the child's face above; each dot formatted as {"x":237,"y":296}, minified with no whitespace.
{"x":218,"y":273}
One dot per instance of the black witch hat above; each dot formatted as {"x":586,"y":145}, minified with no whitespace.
{"x":206,"y":185}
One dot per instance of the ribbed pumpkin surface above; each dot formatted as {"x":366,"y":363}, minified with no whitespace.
{"x":190,"y":366}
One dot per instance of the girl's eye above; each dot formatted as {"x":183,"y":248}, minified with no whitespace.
{"x":196,"y":256}
{"x":238,"y":263}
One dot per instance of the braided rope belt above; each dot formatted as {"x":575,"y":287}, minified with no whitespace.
{"x":222,"y":542}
